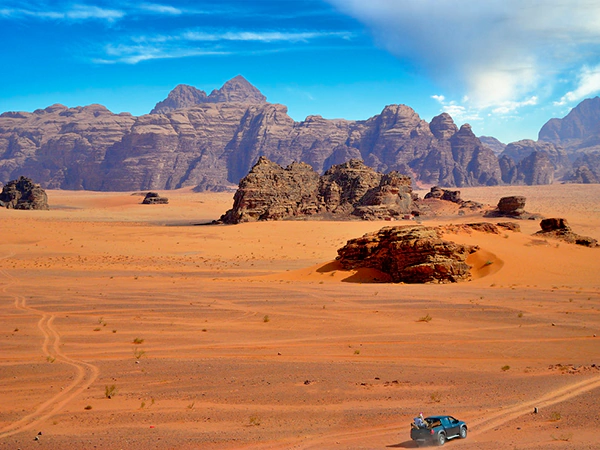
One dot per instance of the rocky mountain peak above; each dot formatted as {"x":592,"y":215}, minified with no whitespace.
{"x":582,"y":122}
{"x":182,"y":96}
{"x":442,"y":126}
{"x":238,"y":89}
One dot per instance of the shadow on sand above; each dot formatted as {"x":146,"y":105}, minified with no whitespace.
{"x":362,"y":275}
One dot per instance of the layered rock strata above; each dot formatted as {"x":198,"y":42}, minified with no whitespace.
{"x":409,"y":254}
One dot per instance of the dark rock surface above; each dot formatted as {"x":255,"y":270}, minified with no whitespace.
{"x":271,"y":192}
{"x":577,"y":130}
{"x":558,"y":228}
{"x":23,"y":194}
{"x":409,"y":254}
{"x":153,"y":198}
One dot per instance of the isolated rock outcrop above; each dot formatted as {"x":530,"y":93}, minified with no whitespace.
{"x":271,"y":192}
{"x":409,"y":254}
{"x":558,"y":228}
{"x":154,"y":198}
{"x":23,"y":194}
{"x":512,"y":206}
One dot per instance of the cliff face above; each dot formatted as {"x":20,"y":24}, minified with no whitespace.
{"x":212,"y":141}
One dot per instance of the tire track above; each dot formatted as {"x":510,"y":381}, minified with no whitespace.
{"x":86,"y":373}
{"x":551,"y":398}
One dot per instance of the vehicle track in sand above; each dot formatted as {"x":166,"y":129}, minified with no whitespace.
{"x":86,"y":373}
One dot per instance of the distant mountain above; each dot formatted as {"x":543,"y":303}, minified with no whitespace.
{"x":578,"y":131}
{"x":237,"y":89}
{"x":212,"y":141}
{"x":493,"y":144}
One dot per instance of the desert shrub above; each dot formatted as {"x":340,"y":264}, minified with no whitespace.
{"x":110,"y":391}
{"x":505,"y":368}
{"x":426,"y":318}
{"x":138,"y":341}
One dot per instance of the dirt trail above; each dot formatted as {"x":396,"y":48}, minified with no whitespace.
{"x":565,"y":393}
{"x":86,"y":373}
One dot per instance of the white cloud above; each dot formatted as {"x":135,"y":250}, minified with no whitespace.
{"x":494,"y":51}
{"x":75,"y":12}
{"x":133,"y":54}
{"x":588,"y":84}
{"x":160,"y":9}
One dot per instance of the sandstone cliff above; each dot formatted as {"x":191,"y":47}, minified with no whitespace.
{"x":212,"y":141}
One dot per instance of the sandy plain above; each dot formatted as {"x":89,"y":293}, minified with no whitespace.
{"x":249,"y":337}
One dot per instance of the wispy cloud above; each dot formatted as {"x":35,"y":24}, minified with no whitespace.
{"x":588,"y":83}
{"x":498,"y":52}
{"x":216,"y":42}
{"x":74,"y":12}
{"x":160,"y":9}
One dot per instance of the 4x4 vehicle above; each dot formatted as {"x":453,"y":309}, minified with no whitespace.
{"x":438,"y":429}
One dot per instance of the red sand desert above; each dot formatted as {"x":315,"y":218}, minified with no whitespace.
{"x":250,"y":337}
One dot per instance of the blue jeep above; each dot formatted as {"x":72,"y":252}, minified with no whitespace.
{"x":438,"y":429}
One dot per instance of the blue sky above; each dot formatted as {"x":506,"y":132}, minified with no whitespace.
{"x":504,"y":66}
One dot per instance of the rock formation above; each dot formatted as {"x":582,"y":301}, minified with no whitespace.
{"x":23,"y":194}
{"x":493,"y":144}
{"x":235,"y":90}
{"x":212,"y":141}
{"x":271,"y":192}
{"x":558,"y":228}
{"x":153,"y":198}
{"x":513,"y":206}
{"x":409,"y":254}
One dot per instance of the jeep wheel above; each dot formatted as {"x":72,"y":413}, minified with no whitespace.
{"x":463,"y":432}
{"x":441,"y":439}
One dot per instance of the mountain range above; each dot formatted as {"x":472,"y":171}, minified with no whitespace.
{"x":211,"y":142}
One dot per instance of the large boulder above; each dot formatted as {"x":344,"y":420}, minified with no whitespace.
{"x":409,"y":254}
{"x":512,"y":206}
{"x":154,"y":198}
{"x":23,"y":194}
{"x":558,"y":228}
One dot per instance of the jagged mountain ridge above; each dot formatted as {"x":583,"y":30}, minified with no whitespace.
{"x":212,"y":141}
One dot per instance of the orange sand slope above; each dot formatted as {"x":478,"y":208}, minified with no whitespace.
{"x":251,"y":336}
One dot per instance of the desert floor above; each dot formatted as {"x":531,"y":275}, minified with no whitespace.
{"x":250,"y":337}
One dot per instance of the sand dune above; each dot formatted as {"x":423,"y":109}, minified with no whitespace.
{"x":251,"y":336}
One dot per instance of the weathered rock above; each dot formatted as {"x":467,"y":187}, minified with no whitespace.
{"x":444,"y":194}
{"x":513,"y":206}
{"x":23,"y":194}
{"x":153,"y":198}
{"x":270,"y":192}
{"x":493,"y":144}
{"x":409,"y":254}
{"x":586,"y":169}
{"x":511,"y":226}
{"x":558,"y":228}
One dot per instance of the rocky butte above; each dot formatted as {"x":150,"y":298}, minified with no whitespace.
{"x":271,"y":192}
{"x":211,"y":141}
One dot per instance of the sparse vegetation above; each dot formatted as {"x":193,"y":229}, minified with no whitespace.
{"x":520,"y":315}
{"x":50,"y":359}
{"x":110,"y":391}
{"x":505,"y":368}
{"x":555,"y":416}
{"x":435,"y":397}
{"x":565,"y":437}
{"x":488,"y":263}
{"x":88,"y":407}
{"x":426,"y":318}
{"x":191,"y":405}
{"x":254,"y":421}
{"x":96,"y":329}
{"x":138,"y":341}
{"x":266,"y":319}
{"x":138,"y":353}
{"x":357,"y":352}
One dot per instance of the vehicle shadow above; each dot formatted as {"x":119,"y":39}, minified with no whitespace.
{"x":405,"y":444}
